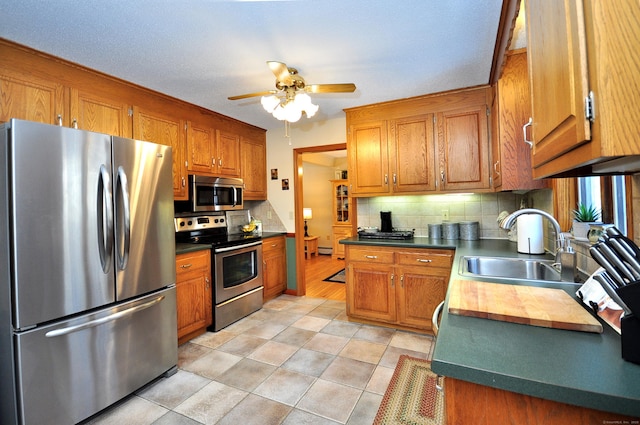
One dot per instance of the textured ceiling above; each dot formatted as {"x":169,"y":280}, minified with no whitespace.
{"x":203,"y":51}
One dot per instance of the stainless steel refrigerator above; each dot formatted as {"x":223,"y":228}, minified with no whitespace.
{"x":87,"y":271}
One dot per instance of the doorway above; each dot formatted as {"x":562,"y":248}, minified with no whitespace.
{"x":301,"y":261}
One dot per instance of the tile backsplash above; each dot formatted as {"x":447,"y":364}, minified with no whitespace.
{"x":417,"y":212}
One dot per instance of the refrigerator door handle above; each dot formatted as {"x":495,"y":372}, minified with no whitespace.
{"x":105,"y":219}
{"x":109,"y":318}
{"x":122,"y":188}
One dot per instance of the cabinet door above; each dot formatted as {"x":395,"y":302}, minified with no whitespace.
{"x":463,"y":149}
{"x":228,"y":154}
{"x":413,"y":154}
{"x":339,"y":233}
{"x":371,"y":291}
{"x":253,"y":168}
{"x":513,"y":155}
{"x":557,"y":77}
{"x":420,"y":291}
{"x":341,"y":201}
{"x":30,"y":99}
{"x":193,"y":292}
{"x":368,"y":158}
{"x":100,"y":114}
{"x":168,"y":131}
{"x":274,"y":271}
{"x":201,"y":148}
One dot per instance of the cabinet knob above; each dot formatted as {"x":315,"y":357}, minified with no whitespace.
{"x":74,"y":123}
{"x":422,"y":260}
{"x":392,"y":280}
{"x":60,"y":120}
{"x":185,"y":266}
{"x":371,"y":257}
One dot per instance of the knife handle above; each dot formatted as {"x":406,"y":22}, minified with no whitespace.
{"x":600,"y":259}
{"x":606,"y":285}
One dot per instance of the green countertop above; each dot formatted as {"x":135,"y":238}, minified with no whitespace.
{"x":579,"y":368}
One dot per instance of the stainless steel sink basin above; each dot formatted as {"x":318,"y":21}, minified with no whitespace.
{"x":515,"y":268}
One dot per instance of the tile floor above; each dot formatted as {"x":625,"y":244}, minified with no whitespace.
{"x":296,"y":361}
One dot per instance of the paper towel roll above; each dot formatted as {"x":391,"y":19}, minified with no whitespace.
{"x":530,"y":237}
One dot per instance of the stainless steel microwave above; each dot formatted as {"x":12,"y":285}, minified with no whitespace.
{"x":214,"y":194}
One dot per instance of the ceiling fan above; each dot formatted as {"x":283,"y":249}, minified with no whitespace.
{"x":295,"y":100}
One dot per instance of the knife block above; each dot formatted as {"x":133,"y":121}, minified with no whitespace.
{"x":630,"y":294}
{"x":630,"y":329}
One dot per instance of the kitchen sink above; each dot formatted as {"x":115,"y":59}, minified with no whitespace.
{"x":515,"y":268}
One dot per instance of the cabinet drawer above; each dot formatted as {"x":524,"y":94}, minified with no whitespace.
{"x":271,"y":245}
{"x":185,"y":263}
{"x":427,"y":258}
{"x":370,"y":255}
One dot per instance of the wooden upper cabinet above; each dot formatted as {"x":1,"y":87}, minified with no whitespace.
{"x":228,"y":149}
{"x":511,"y":163}
{"x":427,"y":144}
{"x":368,"y":160}
{"x":201,"y":148}
{"x":413,"y":154}
{"x":463,"y":148}
{"x":28,"y":98}
{"x":168,"y":131}
{"x":253,"y":164}
{"x":558,"y":77}
{"x":575,"y":48}
{"x":92,"y":112}
{"x":212,"y":151}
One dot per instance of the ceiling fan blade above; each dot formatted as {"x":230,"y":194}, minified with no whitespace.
{"x":260,"y":93}
{"x":281,"y":71}
{"x":330,"y":88}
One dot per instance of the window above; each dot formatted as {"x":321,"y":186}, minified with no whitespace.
{"x":608,"y":195}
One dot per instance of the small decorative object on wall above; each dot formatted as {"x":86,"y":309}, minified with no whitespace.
{"x":274,"y":174}
{"x":285,"y":184}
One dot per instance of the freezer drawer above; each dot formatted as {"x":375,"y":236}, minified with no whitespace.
{"x":71,"y":370}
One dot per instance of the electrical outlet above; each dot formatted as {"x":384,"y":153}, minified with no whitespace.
{"x":269,"y":214}
{"x":445,"y":215}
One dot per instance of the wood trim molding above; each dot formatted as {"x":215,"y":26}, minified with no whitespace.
{"x":508,"y":15}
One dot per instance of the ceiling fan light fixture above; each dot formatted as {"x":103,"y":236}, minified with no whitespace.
{"x":269,"y":103}
{"x":290,"y":110}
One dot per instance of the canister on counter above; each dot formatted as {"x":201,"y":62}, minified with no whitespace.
{"x":435,"y":231}
{"x":469,"y":230}
{"x":450,"y":230}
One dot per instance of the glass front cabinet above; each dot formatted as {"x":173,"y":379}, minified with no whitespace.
{"x":341,"y":217}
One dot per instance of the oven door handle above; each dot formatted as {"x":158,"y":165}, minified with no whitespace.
{"x":236,"y":247}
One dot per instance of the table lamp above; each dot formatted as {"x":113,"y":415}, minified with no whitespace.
{"x":307,"y":214}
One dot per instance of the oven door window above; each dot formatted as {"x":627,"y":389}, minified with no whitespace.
{"x":239,"y":268}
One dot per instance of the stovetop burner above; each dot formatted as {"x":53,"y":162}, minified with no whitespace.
{"x":210,"y":230}
{"x":396,"y":235}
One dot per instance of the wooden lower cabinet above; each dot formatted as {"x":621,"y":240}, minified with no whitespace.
{"x":396,"y":286}
{"x":274,"y":266}
{"x":193,"y":294}
{"x":340,"y":233}
{"x":469,"y":403}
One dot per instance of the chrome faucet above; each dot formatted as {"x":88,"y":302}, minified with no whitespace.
{"x":566,"y":259}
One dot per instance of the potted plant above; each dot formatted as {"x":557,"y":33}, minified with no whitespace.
{"x":583,"y":217}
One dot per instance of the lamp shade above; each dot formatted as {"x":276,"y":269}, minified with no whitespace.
{"x":307,"y":214}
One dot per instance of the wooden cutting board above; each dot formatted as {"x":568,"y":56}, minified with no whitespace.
{"x":529,"y":305}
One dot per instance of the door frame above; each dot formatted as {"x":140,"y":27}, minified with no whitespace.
{"x":301,"y":286}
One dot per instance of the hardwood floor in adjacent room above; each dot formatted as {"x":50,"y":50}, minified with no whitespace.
{"x":319,"y":267}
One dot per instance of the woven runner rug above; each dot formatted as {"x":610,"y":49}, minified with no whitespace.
{"x":411,"y":397}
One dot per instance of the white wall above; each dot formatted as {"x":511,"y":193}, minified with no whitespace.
{"x":280,"y":156}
